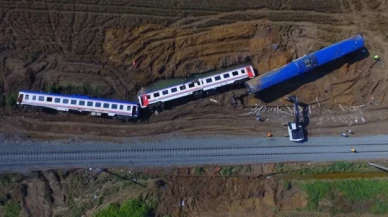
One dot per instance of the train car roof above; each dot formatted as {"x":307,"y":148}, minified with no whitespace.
{"x":166,"y":83}
{"x":77,"y":97}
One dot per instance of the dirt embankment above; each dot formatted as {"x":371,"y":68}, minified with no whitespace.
{"x":90,"y":47}
{"x":73,"y":193}
{"x":46,"y":43}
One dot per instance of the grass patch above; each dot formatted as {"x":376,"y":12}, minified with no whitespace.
{"x":374,"y":191}
{"x":75,"y":185}
{"x":231,"y":171}
{"x":12,"y":209}
{"x":199,"y":171}
{"x":337,"y":167}
{"x":10,"y":178}
{"x":78,"y":209}
{"x":130,"y":208}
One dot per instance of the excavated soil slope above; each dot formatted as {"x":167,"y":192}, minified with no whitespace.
{"x":49,"y":42}
{"x":91,"y":46}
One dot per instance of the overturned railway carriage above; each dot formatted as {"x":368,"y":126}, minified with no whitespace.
{"x":196,"y":85}
{"x":305,"y":64}
{"x":95,"y":106}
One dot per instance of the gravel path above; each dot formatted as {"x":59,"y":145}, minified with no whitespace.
{"x":25,"y":155}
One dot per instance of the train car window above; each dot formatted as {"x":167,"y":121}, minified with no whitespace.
{"x":191,"y":85}
{"x":235,"y":73}
{"x":183,"y":87}
{"x":81,"y":102}
{"x":156,"y":94}
{"x":242,"y":71}
{"x":34,"y":97}
{"x":73,"y":101}
{"x":49,"y":99}
{"x":310,"y":62}
{"x":148,"y":96}
{"x":198,"y":83}
{"x":128,"y":108}
{"x":114,"y":106}
{"x":209,"y":80}
{"x":217,"y":78}
{"x":173,"y":90}
{"x":65,"y":101}
{"x":98,"y":104}
{"x":41,"y":98}
{"x":106,"y":105}
{"x":226,"y":75}
{"x":57,"y":100}
{"x":27,"y":97}
{"x":165,"y":92}
{"x":89,"y":103}
{"x":121,"y":107}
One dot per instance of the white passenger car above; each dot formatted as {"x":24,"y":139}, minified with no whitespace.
{"x":171,"y":89}
{"x":94,"y":106}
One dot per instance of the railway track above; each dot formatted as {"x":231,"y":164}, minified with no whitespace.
{"x":172,"y":153}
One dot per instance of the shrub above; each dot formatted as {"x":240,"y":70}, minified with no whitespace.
{"x":10,"y":178}
{"x":12,"y":209}
{"x":11,"y":99}
{"x":131,"y":208}
{"x":198,"y":171}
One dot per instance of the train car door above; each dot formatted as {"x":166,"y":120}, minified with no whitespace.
{"x":20,"y":99}
{"x":144,"y":100}
{"x":134,"y":111}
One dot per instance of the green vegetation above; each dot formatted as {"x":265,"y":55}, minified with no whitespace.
{"x":355,"y":190}
{"x":78,"y":209}
{"x":11,"y":99}
{"x":10,"y":178}
{"x":231,"y":171}
{"x":199,"y":171}
{"x":11,"y":209}
{"x":131,"y":208}
{"x":338,"y":167}
{"x":85,"y":89}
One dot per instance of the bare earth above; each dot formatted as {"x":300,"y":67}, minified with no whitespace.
{"x":79,"y":43}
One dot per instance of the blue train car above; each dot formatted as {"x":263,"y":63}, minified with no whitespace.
{"x":305,"y":64}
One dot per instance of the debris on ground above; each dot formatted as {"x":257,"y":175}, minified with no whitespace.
{"x":213,"y":100}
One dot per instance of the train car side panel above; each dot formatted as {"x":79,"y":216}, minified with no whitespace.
{"x":305,"y":64}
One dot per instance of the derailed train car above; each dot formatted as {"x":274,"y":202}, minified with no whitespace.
{"x":305,"y":64}
{"x":155,"y":96}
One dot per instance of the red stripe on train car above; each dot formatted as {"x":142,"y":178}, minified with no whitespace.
{"x":250,"y":72}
